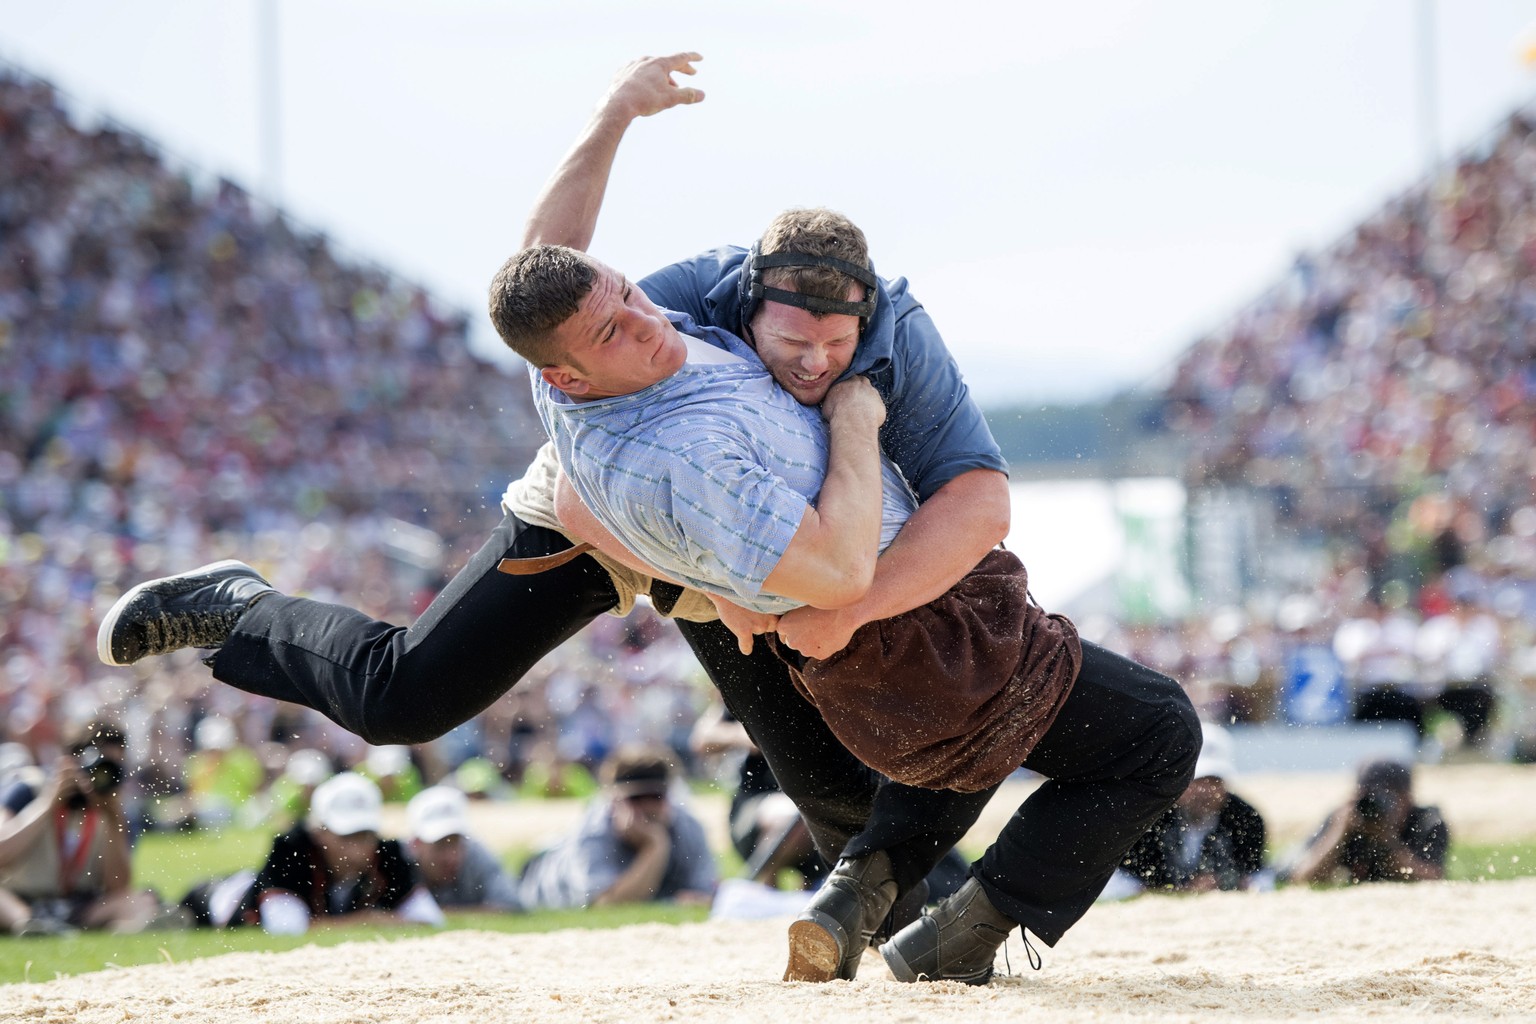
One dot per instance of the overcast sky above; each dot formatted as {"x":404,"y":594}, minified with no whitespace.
{"x":1074,"y":190}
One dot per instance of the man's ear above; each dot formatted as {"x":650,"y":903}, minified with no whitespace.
{"x":565,"y":379}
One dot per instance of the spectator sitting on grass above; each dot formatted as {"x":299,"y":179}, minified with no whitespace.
{"x":458,"y":869}
{"x":334,"y":868}
{"x":635,"y":844}
{"x":1209,"y":839}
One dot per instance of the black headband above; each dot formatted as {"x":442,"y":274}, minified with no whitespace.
{"x":758,"y":262}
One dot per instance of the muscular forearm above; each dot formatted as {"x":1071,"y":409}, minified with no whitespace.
{"x":944,"y":539}
{"x":940,"y":543}
{"x":849,"y":505}
{"x":830,"y":563}
{"x":566,"y":211}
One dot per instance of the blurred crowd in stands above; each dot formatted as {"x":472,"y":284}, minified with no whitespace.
{"x":186,"y":375}
{"x":1383,"y":398}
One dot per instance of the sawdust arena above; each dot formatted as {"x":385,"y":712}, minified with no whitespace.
{"x":1452,"y":951}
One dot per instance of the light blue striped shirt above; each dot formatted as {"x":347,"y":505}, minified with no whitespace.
{"x":707,"y":474}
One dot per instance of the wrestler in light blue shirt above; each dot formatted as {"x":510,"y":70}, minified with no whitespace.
{"x":705,"y":475}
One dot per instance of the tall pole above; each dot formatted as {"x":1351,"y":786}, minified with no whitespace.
{"x":1429,"y":114}
{"x":269,"y":101}
{"x":1429,"y":132}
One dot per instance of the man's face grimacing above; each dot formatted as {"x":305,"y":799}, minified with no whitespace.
{"x":616,"y":343}
{"x":805,"y":353}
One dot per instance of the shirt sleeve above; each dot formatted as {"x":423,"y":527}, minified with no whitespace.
{"x":685,"y":286}
{"x":934,"y":430}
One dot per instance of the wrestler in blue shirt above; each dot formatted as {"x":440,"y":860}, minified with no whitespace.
{"x":933,"y":430}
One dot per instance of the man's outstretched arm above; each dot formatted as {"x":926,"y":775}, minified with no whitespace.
{"x":566,"y":211}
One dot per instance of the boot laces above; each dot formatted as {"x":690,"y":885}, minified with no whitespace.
{"x":1035,"y":960}
{"x":169,"y":632}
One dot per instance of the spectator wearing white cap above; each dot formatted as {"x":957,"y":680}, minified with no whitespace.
{"x":458,"y":869}
{"x":334,"y":866}
{"x":1209,"y":839}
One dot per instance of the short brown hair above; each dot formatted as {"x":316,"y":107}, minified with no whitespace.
{"x":535,"y":292}
{"x":814,"y":232}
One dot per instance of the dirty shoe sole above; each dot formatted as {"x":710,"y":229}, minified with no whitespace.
{"x":814,"y":952}
{"x":196,"y":577}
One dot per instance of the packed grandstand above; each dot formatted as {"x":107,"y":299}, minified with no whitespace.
{"x":187,"y":375}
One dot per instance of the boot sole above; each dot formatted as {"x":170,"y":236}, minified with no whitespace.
{"x":814,"y":952}
{"x":109,"y":624}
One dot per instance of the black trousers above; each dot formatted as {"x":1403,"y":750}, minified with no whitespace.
{"x":392,"y":684}
{"x":1118,"y":755}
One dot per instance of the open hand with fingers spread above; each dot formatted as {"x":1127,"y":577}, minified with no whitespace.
{"x":645,"y":86}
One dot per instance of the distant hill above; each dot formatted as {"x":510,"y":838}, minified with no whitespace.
{"x":1115,"y":437}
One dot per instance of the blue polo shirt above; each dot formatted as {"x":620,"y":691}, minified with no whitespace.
{"x":934,"y":431}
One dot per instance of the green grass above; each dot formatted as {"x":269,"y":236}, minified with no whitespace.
{"x":1491,"y":862}
{"x":173,"y":863}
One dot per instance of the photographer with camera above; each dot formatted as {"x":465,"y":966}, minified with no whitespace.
{"x":1378,"y":835}
{"x":65,"y":859}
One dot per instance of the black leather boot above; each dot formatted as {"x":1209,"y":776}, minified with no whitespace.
{"x":830,"y":935}
{"x":958,"y":941}
{"x":191,"y":609}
